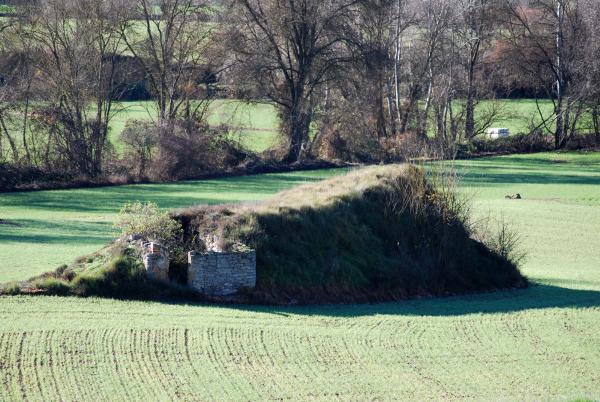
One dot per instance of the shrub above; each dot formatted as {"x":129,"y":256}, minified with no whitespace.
{"x":583,"y":141}
{"x":141,"y":141}
{"x":187,"y":149}
{"x":14,"y":176}
{"x":11,"y":289}
{"x":182,"y":148}
{"x":149,"y":222}
{"x":53,"y":286}
{"x":500,"y":236}
{"x":335,"y":143}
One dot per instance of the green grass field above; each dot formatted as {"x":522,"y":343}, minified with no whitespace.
{"x":7,"y":9}
{"x":254,"y":125}
{"x":542,"y":343}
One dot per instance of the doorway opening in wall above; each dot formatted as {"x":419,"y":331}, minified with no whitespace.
{"x":178,"y":272}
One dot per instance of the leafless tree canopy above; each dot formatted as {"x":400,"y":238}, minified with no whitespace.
{"x":368,"y":80}
{"x":286,"y":51}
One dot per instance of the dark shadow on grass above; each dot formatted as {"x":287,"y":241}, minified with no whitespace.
{"x":169,"y":195}
{"x":50,"y":232}
{"x":492,"y":179}
{"x":536,"y":297}
{"x":518,"y":170}
{"x":54,"y":239}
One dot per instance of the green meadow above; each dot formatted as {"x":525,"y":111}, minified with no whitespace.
{"x":253,"y":125}
{"x":540,"y":343}
{"x":256,"y":125}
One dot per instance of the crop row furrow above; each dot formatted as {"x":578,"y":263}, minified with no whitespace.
{"x":114,"y":364}
{"x":4,"y":365}
{"x":218,"y":361}
{"x":263,"y":351}
{"x":141,"y":377}
{"x":12,"y":375}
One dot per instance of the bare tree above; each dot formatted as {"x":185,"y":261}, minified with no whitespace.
{"x":75,"y":76}
{"x":475,"y":31}
{"x":375,"y":34}
{"x":6,"y":90}
{"x":170,"y":44}
{"x":550,"y":40}
{"x":433,"y":21}
{"x":591,"y":67}
{"x":286,"y":51}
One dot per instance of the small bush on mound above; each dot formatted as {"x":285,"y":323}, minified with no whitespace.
{"x":52,"y":285}
{"x":149,"y":222}
{"x":380,"y":233}
{"x":10,"y":289}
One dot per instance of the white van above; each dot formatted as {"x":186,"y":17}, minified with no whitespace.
{"x":494,"y":133}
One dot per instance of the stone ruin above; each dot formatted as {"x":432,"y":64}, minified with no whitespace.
{"x":156,"y":261}
{"x":221,"y":273}
{"x":212,"y":273}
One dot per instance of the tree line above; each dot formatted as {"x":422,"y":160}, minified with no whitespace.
{"x":350,"y":79}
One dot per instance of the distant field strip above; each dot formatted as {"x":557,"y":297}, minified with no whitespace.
{"x":255,"y":125}
{"x":538,"y":344}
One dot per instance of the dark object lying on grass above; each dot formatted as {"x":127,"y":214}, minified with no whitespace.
{"x":8,"y":223}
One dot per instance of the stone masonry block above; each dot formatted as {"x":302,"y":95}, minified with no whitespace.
{"x":220,"y":274}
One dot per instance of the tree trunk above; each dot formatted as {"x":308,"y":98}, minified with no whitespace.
{"x":470,"y":109}
{"x":11,"y":142}
{"x":409,"y":109}
{"x":397,"y":55}
{"x":559,"y":130}
{"x":560,"y":125}
{"x":391,"y":112}
{"x":25,"y":122}
{"x":297,"y":132}
{"x":425,"y":117}
{"x":380,"y":110}
{"x":440,"y":113}
{"x":596,"y":122}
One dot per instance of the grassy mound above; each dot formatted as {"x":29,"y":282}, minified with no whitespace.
{"x":380,"y":233}
{"x":375,"y":234}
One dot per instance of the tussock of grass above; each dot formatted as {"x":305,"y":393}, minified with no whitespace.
{"x":10,"y":289}
{"x":379,"y":233}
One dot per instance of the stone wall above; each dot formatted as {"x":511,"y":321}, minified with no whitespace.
{"x":156,"y":261}
{"x":221,"y":274}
